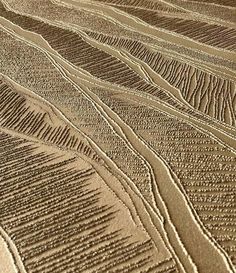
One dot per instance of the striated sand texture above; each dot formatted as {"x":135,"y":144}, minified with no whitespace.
{"x":118,"y":136}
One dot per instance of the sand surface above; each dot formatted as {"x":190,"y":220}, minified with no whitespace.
{"x":117,"y":136}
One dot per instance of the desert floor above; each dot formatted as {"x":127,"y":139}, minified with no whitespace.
{"x":118,"y":136}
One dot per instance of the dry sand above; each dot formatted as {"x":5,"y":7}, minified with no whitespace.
{"x":117,"y":136}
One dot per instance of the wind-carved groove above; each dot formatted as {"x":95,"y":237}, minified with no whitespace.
{"x":205,"y":168}
{"x":57,"y":11}
{"x":58,"y":218}
{"x":210,"y":34}
{"x":88,"y":120}
{"x":18,"y":114}
{"x":207,"y":93}
{"x":73,"y":48}
{"x":98,"y":129}
{"x":104,"y":66}
{"x":84,"y":115}
{"x":145,"y":4}
{"x":230,"y":3}
{"x":76,"y":50}
{"x":57,"y":210}
{"x":52,"y":10}
{"x":214,"y":9}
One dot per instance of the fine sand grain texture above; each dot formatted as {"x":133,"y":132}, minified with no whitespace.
{"x":117,"y":136}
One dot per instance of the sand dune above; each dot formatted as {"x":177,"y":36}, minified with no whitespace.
{"x":117,"y":136}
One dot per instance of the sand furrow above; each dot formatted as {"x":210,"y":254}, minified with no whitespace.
{"x":118,"y":140}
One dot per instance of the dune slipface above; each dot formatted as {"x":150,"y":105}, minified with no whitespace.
{"x":117,"y":136}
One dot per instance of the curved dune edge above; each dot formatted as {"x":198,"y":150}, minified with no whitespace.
{"x":9,"y":254}
{"x":229,"y":130}
{"x":159,"y":219}
{"x":168,"y":190}
{"x":223,"y":133}
{"x":135,"y":230}
{"x":172,"y":90}
{"x":101,"y":169}
{"x":103,"y":174}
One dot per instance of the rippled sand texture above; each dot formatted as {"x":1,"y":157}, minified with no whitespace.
{"x":117,"y":136}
